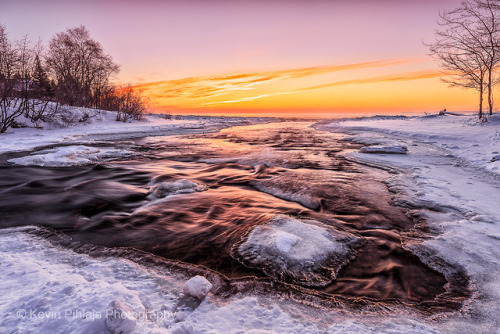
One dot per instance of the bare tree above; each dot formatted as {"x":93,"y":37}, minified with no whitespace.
{"x":81,"y":75}
{"x":7,"y":82}
{"x":19,"y":96}
{"x":15,"y":78}
{"x":486,"y":14}
{"x":80,"y":67}
{"x":134,"y":104}
{"x":467,"y":46}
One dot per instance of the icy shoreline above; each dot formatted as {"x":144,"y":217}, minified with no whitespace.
{"x":451,"y":177}
{"x":48,"y":288}
{"x":103,"y":126}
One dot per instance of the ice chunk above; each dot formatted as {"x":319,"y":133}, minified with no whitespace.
{"x":183,"y":186}
{"x":483,"y":219}
{"x":305,"y":251}
{"x":197,"y":286}
{"x":393,"y":149}
{"x":285,"y":241}
{"x":119,"y":318}
{"x":73,"y":155}
{"x":280,"y":187}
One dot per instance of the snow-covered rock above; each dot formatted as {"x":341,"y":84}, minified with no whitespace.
{"x":197,"y":286}
{"x":393,"y":149}
{"x":298,"y":249}
{"x":163,"y":189}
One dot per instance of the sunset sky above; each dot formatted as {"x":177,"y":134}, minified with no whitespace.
{"x":257,"y":56}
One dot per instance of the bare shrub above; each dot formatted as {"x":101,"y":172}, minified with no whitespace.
{"x":129,"y":103}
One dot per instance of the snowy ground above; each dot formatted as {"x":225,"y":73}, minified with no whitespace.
{"x":47,"y":289}
{"x":103,"y":126}
{"x":450,"y":175}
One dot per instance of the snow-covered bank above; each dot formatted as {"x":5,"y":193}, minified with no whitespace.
{"x":450,"y":176}
{"x":103,"y":126}
{"x":462,"y":137}
{"x":72,"y":155}
{"x":47,"y":289}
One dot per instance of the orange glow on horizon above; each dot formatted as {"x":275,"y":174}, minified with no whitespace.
{"x":384,"y":86}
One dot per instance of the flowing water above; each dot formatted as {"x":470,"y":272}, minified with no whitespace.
{"x":241,"y":177}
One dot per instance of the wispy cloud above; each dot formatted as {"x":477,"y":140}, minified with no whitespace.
{"x":408,"y":76}
{"x":212,"y":86}
{"x":249,"y":98}
{"x":427,"y":74}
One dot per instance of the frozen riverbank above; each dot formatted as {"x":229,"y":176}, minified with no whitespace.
{"x":103,"y":126}
{"x":48,"y":289}
{"x":450,"y":176}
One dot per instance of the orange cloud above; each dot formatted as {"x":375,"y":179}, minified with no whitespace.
{"x":418,"y":75}
{"x":212,"y":86}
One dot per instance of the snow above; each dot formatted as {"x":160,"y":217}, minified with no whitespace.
{"x":198,"y":287}
{"x":299,"y":249}
{"x":451,"y":178}
{"x":394,"y":149}
{"x":464,"y":137}
{"x":72,"y":155}
{"x":120,"y":318}
{"x":103,"y":125}
{"x":48,"y":289}
{"x":285,"y":241}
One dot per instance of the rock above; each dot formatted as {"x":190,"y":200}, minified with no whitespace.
{"x":183,"y":328}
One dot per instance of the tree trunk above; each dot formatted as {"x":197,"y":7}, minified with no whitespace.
{"x":481,"y":103}
{"x":490,"y":94}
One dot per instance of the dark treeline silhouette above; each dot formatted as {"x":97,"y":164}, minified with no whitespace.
{"x":74,"y":70}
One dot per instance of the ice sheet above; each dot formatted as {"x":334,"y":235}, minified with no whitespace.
{"x":73,"y":155}
{"x":301,"y":250}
